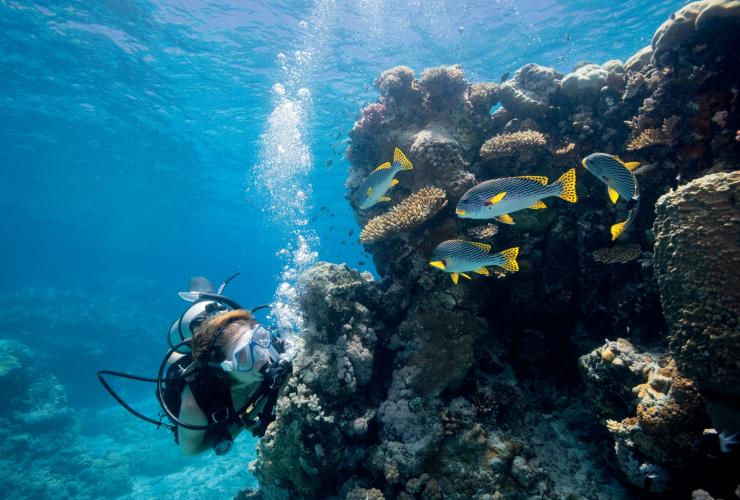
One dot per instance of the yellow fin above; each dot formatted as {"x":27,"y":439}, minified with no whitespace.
{"x":482,"y":271}
{"x":384,"y":166}
{"x":438,"y":264}
{"x":510,"y":263}
{"x":497,"y":198}
{"x":617,"y":229}
{"x":369,"y":191}
{"x":483,"y":246}
{"x":538,"y":205}
{"x":394,"y":182}
{"x":399,"y":157}
{"x":539,"y":178}
{"x":454,"y":278}
{"x":505,"y":218}
{"x":465,"y":275}
{"x":568,"y":183}
{"x":631,"y":165}
{"x":384,"y":198}
{"x":613,"y":195}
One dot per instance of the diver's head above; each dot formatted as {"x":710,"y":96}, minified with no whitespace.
{"x":234,"y":342}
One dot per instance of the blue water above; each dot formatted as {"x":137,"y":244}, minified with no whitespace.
{"x":143,"y":142}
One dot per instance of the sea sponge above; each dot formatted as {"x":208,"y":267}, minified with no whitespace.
{"x":621,"y":254}
{"x":697,"y":264}
{"x":507,"y":144}
{"x":528,"y":92}
{"x":408,"y":214}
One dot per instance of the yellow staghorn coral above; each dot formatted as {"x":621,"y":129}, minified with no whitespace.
{"x":665,"y":135}
{"x":408,"y":214}
{"x":506,"y":144}
{"x":617,"y":255}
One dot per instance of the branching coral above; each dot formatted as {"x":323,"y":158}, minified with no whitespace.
{"x":482,"y":232}
{"x":408,"y":214}
{"x":665,"y":135}
{"x":507,"y":144}
{"x":566,"y":149}
{"x":618,"y":255}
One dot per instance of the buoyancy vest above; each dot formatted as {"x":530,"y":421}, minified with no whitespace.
{"x":213,"y":396}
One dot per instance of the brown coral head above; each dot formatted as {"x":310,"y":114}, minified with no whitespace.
{"x":508,"y":144}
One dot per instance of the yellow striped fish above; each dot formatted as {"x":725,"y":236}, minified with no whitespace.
{"x":620,"y":183}
{"x":374,"y":188}
{"x":497,"y":198}
{"x":459,"y":257}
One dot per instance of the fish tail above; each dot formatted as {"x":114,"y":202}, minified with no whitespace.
{"x":509,"y":259}
{"x":567,"y":186}
{"x":400,"y":159}
{"x":618,"y":229}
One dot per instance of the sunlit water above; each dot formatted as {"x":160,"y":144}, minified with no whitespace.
{"x":144,"y":142}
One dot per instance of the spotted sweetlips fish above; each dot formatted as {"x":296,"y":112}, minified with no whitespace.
{"x":497,"y":198}
{"x":373,"y":189}
{"x":459,"y":257}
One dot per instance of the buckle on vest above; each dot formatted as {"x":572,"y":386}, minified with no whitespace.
{"x":215,"y":414}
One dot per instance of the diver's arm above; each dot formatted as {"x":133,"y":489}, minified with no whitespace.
{"x":191,"y":441}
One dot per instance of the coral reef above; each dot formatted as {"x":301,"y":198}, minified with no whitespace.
{"x":410,"y":387}
{"x":408,"y":214}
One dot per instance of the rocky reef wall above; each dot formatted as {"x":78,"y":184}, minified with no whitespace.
{"x":503,"y":386}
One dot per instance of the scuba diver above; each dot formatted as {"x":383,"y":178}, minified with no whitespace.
{"x":221,"y":375}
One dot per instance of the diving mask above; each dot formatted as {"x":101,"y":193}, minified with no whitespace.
{"x":250,"y":350}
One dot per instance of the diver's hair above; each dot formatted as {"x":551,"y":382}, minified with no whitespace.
{"x":232,"y":323}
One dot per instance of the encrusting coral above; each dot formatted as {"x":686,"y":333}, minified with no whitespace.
{"x":507,"y":144}
{"x":408,"y":214}
{"x":620,"y":254}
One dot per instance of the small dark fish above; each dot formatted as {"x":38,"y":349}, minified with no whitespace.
{"x":351,"y":232}
{"x":361,"y":263}
{"x":324,"y":209}
{"x":505,"y":77}
{"x":331,"y":229}
{"x":344,"y":242}
{"x":329,"y":162}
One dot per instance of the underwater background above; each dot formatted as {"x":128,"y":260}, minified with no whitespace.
{"x":146,"y":142}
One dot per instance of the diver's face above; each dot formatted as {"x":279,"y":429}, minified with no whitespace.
{"x":240,"y":348}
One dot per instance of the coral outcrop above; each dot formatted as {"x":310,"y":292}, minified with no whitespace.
{"x":503,"y":386}
{"x":697,"y":261}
